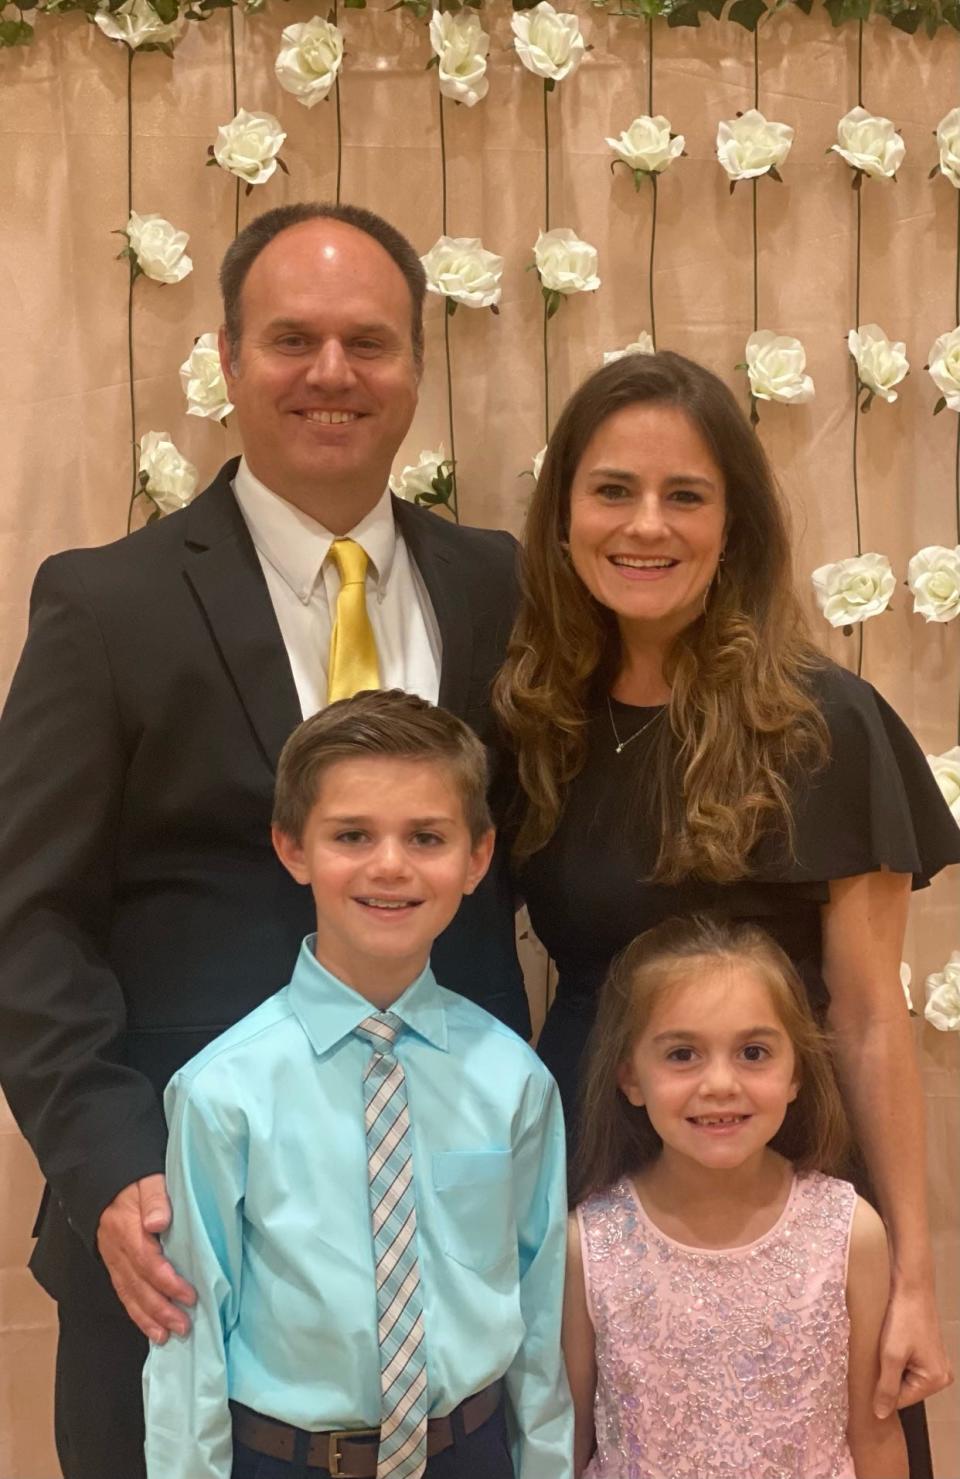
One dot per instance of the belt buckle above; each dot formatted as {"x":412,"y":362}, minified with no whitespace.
{"x":335,"y":1457}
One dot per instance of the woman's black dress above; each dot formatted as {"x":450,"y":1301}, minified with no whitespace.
{"x":875,"y":804}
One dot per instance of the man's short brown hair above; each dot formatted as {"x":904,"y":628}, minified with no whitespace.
{"x":244,"y":250}
{"x":380,"y":724}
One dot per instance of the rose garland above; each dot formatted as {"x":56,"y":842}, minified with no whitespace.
{"x":853,"y":590}
{"x":550,"y":44}
{"x":646,"y":149}
{"x":458,"y":268}
{"x":137,"y":15}
{"x":308,"y":67}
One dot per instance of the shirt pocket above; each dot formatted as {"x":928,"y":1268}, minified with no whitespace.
{"x":474,"y":1192}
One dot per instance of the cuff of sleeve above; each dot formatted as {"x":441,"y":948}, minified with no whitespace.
{"x":85,"y":1190}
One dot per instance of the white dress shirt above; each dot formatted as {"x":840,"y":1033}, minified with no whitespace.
{"x":304,"y":584}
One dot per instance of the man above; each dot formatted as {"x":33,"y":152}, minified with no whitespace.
{"x":142,"y":908}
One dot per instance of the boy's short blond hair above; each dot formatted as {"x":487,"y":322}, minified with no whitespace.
{"x":380,"y":724}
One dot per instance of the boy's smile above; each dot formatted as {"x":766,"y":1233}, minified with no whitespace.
{"x":388,"y":855}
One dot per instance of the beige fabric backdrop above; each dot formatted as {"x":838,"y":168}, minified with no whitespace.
{"x":65,"y":453}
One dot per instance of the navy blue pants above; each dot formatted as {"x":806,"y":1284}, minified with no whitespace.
{"x":482,"y":1454}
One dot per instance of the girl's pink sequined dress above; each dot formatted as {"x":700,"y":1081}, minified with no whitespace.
{"x":727,"y":1364}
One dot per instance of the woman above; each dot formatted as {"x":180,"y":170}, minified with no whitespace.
{"x":682,"y":746}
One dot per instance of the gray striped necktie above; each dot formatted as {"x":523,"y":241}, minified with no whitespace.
{"x":403,"y":1366}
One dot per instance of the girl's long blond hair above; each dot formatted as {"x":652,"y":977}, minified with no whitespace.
{"x":616,"y":1137}
{"x":742,"y":722}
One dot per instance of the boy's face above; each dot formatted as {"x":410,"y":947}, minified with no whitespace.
{"x":388,"y":856}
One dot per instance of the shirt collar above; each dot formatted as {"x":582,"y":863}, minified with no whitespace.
{"x":329,"y":1011}
{"x":296,"y":545}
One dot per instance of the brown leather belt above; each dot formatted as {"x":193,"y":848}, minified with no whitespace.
{"x":352,"y":1453}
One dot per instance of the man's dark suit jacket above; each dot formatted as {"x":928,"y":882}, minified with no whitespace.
{"x":142,"y":909}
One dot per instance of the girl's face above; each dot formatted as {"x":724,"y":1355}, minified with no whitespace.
{"x":714,"y":1066}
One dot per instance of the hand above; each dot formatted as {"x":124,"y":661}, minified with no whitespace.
{"x":129,"y":1246}
{"x":913,"y":1361}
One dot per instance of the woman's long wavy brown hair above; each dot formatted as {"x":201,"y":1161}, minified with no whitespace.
{"x":616,"y":1137}
{"x":742,"y":722}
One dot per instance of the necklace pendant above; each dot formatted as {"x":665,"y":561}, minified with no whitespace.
{"x":619,"y":748}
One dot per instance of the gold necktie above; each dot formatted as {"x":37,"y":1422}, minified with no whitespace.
{"x":353,"y":664}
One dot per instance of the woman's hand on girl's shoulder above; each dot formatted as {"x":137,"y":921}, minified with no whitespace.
{"x":876,"y":1443}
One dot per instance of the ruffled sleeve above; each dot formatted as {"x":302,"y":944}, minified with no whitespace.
{"x":874,"y":805}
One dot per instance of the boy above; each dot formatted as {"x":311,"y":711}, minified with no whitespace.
{"x":367,"y":1172}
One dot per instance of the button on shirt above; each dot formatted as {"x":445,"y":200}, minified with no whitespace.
{"x":267,"y":1171}
{"x":303,"y":584}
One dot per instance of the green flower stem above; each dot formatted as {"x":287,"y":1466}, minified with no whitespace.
{"x":756,"y":66}
{"x":653,"y":182}
{"x":756,"y":263}
{"x":546,"y":374}
{"x":546,"y":159}
{"x":134,"y":479}
{"x":653,"y":242}
{"x":856,"y":325}
{"x":956,"y":459}
{"x":233,"y":84}
{"x":336,"y":98}
{"x":455,"y":504}
{"x":546,"y":227}
{"x":856,"y":425}
{"x":443,"y":169}
{"x":754,"y":413}
{"x":956,"y":312}
{"x":447,"y":305}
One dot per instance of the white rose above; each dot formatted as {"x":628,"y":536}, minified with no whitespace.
{"x":647,"y":145}
{"x":537,"y":463}
{"x":201,"y":376}
{"x":775,"y":368}
{"x":460,"y":267}
{"x":419,"y":477}
{"x":160,"y":249}
{"x":853,"y":590}
{"x":136,"y":23}
{"x":309,"y":59}
{"x":943,"y":996}
{"x":248,"y":146}
{"x":548,"y":42}
{"x":869,"y":144}
{"x":171,"y":479}
{"x":948,"y":142}
{"x":906,"y":976}
{"x":933,"y":576}
{"x":946,"y":773}
{"x":643,"y":344}
{"x":461,"y":45}
{"x":749,"y":146}
{"x":565,"y":263}
{"x":943,"y":363}
{"x":881,"y":362}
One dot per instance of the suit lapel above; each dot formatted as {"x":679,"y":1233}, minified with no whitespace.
{"x":429,"y":542}
{"x":222,"y":566}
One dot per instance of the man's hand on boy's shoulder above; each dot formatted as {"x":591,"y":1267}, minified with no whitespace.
{"x":129,"y":1244}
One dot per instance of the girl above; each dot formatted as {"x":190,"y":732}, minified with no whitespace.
{"x":724,"y":1295}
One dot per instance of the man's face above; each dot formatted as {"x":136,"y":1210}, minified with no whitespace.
{"x":323,"y":380}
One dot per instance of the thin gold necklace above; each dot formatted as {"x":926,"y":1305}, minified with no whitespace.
{"x":622,"y":744}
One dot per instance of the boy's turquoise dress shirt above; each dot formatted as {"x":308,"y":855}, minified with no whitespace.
{"x":267,"y":1177}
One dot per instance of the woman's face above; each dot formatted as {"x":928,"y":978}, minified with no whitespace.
{"x":647,"y":519}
